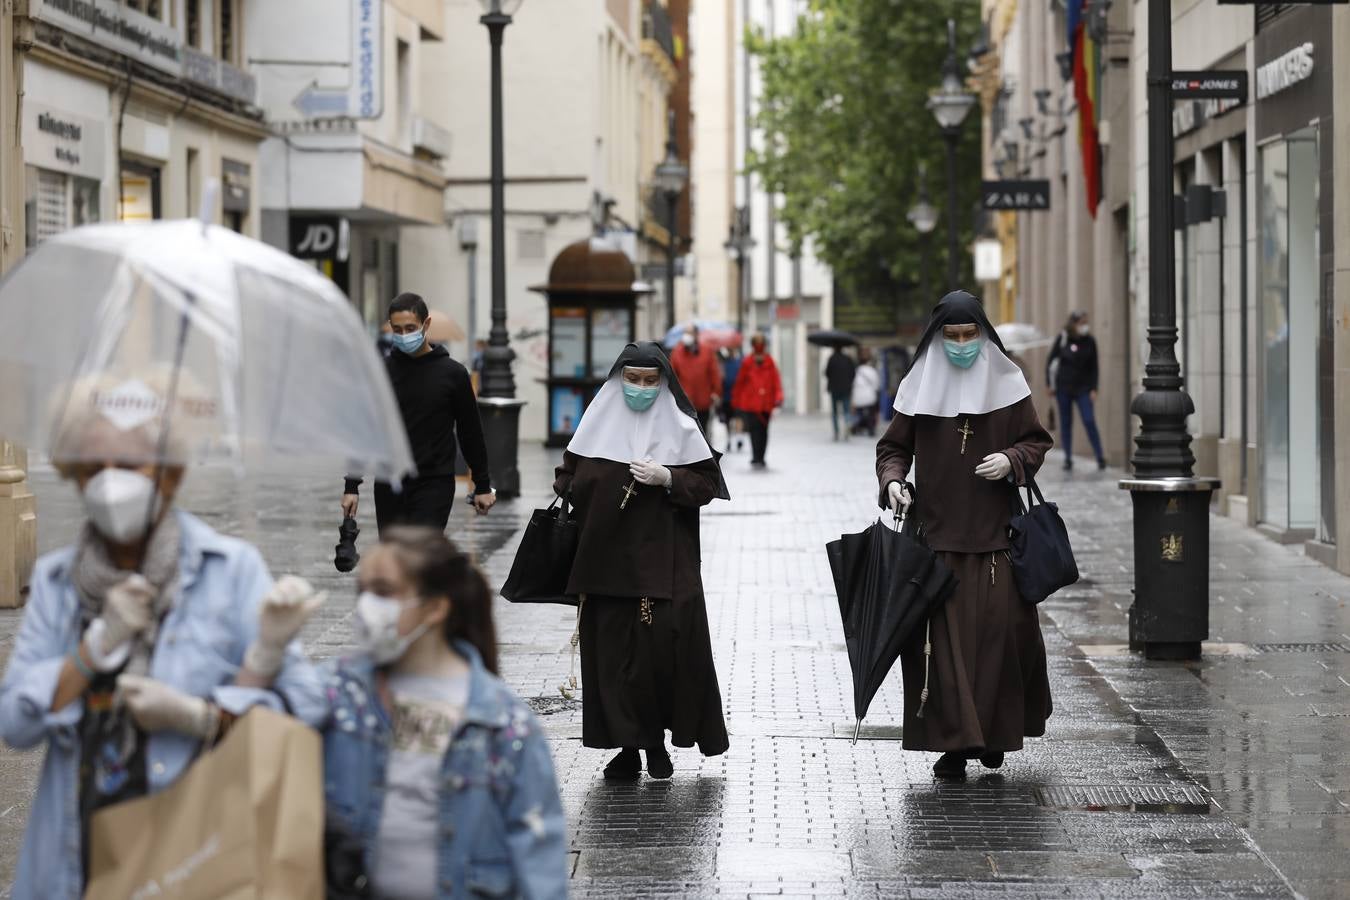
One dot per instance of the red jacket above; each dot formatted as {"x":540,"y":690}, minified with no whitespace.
{"x":758,"y":388}
{"x":700,"y":375}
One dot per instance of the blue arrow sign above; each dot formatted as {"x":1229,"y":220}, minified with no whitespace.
{"x":317,"y":102}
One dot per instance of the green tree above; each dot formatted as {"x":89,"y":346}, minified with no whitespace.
{"x":843,"y":112}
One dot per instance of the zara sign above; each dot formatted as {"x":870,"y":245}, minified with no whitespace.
{"x":1015,"y":195}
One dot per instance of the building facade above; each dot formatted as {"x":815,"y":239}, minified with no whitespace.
{"x":1256,"y":194}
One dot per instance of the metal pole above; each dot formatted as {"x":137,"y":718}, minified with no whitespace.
{"x":498,"y":380}
{"x":740,"y":290}
{"x":1163,"y":446}
{"x":950,"y":135}
{"x":744,"y":230}
{"x":672,"y":200}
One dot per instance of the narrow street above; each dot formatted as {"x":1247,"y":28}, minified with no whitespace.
{"x":1218,"y":779}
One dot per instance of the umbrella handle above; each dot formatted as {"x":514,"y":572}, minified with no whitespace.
{"x":856,"y":728}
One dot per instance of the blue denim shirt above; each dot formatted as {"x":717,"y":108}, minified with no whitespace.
{"x":501,"y":819}
{"x":199,"y":649}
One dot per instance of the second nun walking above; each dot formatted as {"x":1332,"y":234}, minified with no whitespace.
{"x":637,"y":470}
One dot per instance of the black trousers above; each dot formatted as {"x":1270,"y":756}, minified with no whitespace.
{"x":423,"y":501}
{"x":758,"y":426}
{"x":704,"y":415}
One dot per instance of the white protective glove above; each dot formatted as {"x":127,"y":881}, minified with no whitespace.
{"x":995,"y":467}
{"x":899,"y":498}
{"x":283,"y":612}
{"x":127,"y":610}
{"x":157,"y":707}
{"x":648,"y":472}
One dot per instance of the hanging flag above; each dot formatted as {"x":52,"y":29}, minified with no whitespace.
{"x":1087,"y":92}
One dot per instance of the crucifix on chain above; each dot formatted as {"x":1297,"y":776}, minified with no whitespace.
{"x":628,"y":493}
{"x":965,"y":431}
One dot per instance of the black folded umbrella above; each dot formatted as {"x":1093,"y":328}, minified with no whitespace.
{"x":888,"y":583}
{"x":345,"y":556}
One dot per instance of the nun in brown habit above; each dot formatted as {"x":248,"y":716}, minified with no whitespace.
{"x":965,"y":425}
{"x":638,"y":470}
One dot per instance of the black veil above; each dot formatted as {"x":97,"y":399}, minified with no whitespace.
{"x":957,"y":308}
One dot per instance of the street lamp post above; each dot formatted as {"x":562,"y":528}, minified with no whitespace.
{"x":671,"y":177}
{"x":738,"y":245}
{"x":497,"y":396}
{"x":950,"y":104}
{"x":923,"y":217}
{"x":1170,"y":615}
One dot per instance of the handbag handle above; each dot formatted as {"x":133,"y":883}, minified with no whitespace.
{"x":1032,"y":489}
{"x":566,"y":512}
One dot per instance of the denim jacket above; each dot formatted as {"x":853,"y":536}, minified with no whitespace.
{"x":501,"y":819}
{"x":199,"y":650}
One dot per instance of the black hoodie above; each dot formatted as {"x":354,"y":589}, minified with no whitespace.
{"x":435,"y":397}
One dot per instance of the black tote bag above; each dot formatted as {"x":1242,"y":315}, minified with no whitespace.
{"x":1042,"y":560}
{"x":543,"y":562}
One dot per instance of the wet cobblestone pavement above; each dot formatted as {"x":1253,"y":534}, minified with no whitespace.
{"x":1223,"y":778}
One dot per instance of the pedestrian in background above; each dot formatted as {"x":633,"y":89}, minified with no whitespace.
{"x":140,"y":643}
{"x":731,"y":367}
{"x":700,"y":374}
{"x":437,"y":774}
{"x":758,"y":392}
{"x":437,"y":401}
{"x":1071,"y":373}
{"x":866,"y":395}
{"x":839,"y":372}
{"x":964,"y":413}
{"x":638,"y":471}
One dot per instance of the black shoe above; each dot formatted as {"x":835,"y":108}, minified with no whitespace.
{"x":1068,"y":465}
{"x":1101,"y":464}
{"x":659,"y":764}
{"x":950,"y":765}
{"x":992,"y":760}
{"x":626,"y":766}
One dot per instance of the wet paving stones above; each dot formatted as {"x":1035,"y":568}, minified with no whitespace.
{"x":1210,"y":780}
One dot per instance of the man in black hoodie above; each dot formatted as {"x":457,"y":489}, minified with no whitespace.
{"x":436,"y":399}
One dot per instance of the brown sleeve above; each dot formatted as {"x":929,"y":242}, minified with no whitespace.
{"x":562,"y":476}
{"x":895,"y":454}
{"x":1032,"y":443}
{"x":693,"y":485}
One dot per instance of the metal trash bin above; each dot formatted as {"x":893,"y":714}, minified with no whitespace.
{"x":1170,"y":615}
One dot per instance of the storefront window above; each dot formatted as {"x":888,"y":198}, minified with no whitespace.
{"x":1289,"y":327}
{"x":609,"y":335}
{"x":140,"y":193}
{"x":54,"y":202}
{"x":569,"y":342}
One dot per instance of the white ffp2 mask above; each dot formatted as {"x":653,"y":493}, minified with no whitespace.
{"x":117,"y":502}
{"x":375,"y":628}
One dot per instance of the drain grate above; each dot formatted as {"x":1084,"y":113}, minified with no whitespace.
{"x":1162,"y":798}
{"x":1311,"y":647}
{"x":547,"y":706}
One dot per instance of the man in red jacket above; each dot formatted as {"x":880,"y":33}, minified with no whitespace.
{"x":700,"y":374}
{"x":758,"y":392}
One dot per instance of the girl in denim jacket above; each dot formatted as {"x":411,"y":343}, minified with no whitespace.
{"x":438,"y":779}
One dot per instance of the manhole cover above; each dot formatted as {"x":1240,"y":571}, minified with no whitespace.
{"x":1312,"y":647}
{"x":547,"y":706}
{"x":1163,"y":798}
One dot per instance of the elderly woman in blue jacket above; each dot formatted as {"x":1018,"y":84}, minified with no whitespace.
{"x":139,"y":645}
{"x":437,"y":775}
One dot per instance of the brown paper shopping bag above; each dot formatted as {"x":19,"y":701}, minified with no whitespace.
{"x":244,"y":822}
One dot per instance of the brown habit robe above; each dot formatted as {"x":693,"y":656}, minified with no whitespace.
{"x":988,"y":685}
{"x":645,"y":666}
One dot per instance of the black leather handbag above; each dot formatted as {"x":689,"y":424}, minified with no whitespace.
{"x":543,"y":563}
{"x":1042,"y":559}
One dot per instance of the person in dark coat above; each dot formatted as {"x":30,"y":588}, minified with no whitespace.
{"x":839,"y":372}
{"x":964,"y":414}
{"x":1071,"y":373}
{"x":637,"y":471}
{"x":435,"y":396}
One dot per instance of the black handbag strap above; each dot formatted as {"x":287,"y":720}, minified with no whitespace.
{"x":565,"y":512}
{"x":1032,"y":490}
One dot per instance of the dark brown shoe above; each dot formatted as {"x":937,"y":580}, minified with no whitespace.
{"x":950,"y":765}
{"x":659,"y":764}
{"x":992,"y":760}
{"x":626,"y":766}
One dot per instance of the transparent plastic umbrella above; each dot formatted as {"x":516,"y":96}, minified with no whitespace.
{"x":210,"y":346}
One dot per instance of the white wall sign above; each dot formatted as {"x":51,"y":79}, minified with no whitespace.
{"x":112,"y":25}
{"x":61,"y":141}
{"x":1284,"y":71}
{"x":988,"y":260}
{"x":363,"y":95}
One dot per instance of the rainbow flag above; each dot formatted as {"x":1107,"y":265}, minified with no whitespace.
{"x":1087,"y":91}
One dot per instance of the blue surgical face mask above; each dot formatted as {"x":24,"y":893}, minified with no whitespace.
{"x":963,"y":355}
{"x":409,"y":343}
{"x":640,"y":399}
